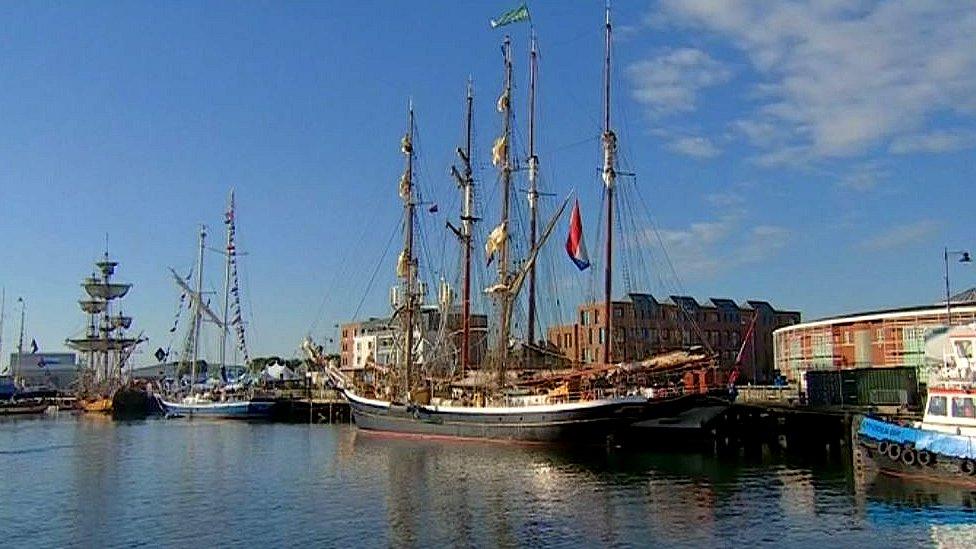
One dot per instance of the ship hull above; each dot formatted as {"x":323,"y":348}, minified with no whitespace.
{"x":19,"y":409}
{"x":897,"y":451}
{"x":583,"y":422}
{"x":245,"y":409}
{"x":131,"y":402}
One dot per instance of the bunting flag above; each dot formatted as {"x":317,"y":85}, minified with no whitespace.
{"x":432,"y":209}
{"x":160,"y":354}
{"x":406,"y":146}
{"x":33,"y":347}
{"x":516,"y":15}
{"x":575,"y":246}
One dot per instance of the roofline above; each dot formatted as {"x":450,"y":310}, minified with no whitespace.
{"x":879,"y":315}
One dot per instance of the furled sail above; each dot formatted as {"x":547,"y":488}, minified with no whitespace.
{"x":503,"y":102}
{"x":403,"y":265}
{"x":404,"y":186}
{"x":499,"y":152}
{"x":609,"y":157}
{"x":495,"y":240}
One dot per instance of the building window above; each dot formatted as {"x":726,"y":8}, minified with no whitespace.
{"x":618,"y":312}
{"x":937,"y":406}
{"x":585,"y":318}
{"x":602,"y":335}
{"x":880,"y":335}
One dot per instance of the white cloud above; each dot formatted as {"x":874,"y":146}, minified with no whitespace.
{"x":863,"y":178}
{"x":901,"y":236}
{"x":670,"y":82}
{"x":698,"y":147}
{"x":706,"y":249}
{"x":933,"y":142}
{"x":841,"y":78}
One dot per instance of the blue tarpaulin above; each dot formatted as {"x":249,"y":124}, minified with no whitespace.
{"x":935,"y":442}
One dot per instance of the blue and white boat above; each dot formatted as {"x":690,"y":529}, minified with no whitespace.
{"x":200,"y":406}
{"x":942,"y":447}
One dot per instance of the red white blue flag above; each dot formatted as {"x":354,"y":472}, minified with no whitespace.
{"x":575,"y":246}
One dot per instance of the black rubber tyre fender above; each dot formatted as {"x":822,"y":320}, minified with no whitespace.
{"x":967,"y":467}
{"x":883,"y":447}
{"x":908,"y":457}
{"x":925,"y":458}
{"x":894,"y":452}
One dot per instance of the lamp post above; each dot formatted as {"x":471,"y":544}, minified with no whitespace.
{"x":963,"y":258}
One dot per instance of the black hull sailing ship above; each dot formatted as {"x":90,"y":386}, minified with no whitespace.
{"x":592,"y":420}
{"x":585,"y":406}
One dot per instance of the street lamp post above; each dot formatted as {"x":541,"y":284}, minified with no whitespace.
{"x":963,"y":258}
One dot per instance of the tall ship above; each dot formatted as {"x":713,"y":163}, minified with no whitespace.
{"x":106,"y":344}
{"x":509,"y":397}
{"x":216,"y":396}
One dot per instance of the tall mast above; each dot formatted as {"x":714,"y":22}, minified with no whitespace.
{"x":197,"y":310}
{"x":609,"y":177}
{"x":3,"y":310}
{"x":20,"y":340}
{"x":505,"y":107}
{"x":467,"y":222}
{"x":407,"y":265}
{"x":228,"y":220}
{"x":533,"y":189}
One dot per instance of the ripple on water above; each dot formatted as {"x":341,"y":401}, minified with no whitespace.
{"x":89,"y":482}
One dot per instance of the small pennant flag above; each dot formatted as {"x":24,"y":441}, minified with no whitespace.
{"x":520,"y":13}
{"x":432,"y":209}
{"x":160,"y":354}
{"x":575,"y":246}
{"x":33,"y":346}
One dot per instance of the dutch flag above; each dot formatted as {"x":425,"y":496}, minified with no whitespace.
{"x":575,"y":246}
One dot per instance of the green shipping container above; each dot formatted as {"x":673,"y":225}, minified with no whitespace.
{"x":888,"y":387}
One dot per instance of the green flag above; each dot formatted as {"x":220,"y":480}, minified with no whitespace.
{"x":520,"y":13}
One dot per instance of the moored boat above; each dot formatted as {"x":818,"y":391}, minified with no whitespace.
{"x":197,"y":406}
{"x":17,"y":408}
{"x":942,"y":447}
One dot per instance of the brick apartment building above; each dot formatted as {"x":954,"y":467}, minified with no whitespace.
{"x":644,"y":326}
{"x":373,"y":339}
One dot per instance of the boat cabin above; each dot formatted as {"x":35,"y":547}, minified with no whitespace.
{"x":951,"y":405}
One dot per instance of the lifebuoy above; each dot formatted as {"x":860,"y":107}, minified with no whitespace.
{"x":925,"y":458}
{"x":883,"y":447}
{"x":908,"y":456}
{"x":894,"y":452}
{"x":967,"y":467}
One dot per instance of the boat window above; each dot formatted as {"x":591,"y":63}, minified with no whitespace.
{"x":964,"y":349}
{"x":937,"y":405}
{"x":963,"y":407}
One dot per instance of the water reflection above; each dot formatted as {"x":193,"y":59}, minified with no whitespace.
{"x":82,"y":481}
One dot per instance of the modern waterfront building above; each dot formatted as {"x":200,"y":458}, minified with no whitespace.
{"x":58,"y":370}
{"x":375,"y":340}
{"x":644,"y":326}
{"x":888,"y":337}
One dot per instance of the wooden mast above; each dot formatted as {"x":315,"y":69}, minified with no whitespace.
{"x":533,"y":188}
{"x":505,"y":106}
{"x":228,"y":220}
{"x":467,"y":221}
{"x":197,"y":310}
{"x":609,"y":177}
{"x":407,"y":264}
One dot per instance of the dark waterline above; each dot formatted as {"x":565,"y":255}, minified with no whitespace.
{"x":87,"y":481}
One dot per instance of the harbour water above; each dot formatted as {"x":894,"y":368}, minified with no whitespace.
{"x":86,"y":481}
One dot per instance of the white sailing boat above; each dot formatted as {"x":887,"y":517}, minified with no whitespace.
{"x":215,"y":400}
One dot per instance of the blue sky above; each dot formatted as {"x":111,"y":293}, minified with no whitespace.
{"x":815,"y":154}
